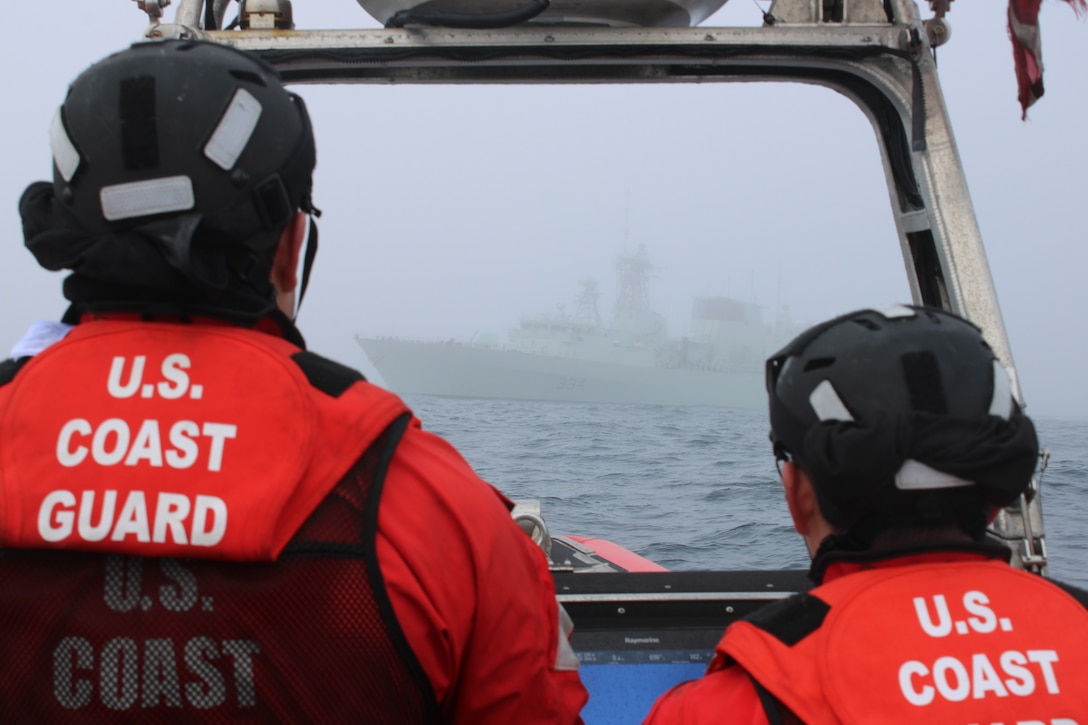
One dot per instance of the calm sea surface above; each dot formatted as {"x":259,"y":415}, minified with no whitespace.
{"x":692,"y":488}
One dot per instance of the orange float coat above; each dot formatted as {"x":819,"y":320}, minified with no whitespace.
{"x":228,"y":460}
{"x":950,"y":638}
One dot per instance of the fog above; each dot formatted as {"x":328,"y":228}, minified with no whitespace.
{"x":457,"y":211}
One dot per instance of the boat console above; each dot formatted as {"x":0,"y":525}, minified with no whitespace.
{"x":637,"y":634}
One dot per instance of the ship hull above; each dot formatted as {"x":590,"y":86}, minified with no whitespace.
{"x":470,"y":371}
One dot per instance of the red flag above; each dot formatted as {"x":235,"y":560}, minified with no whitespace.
{"x":1027,"y":48}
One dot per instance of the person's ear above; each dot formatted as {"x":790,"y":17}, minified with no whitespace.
{"x":285,"y":263}
{"x":800,"y":497}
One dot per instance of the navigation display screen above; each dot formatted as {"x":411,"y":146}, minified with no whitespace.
{"x":624,"y":694}
{"x":625,"y":671}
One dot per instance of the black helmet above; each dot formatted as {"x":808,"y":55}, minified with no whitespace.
{"x":186,"y":153}
{"x":901,"y":417}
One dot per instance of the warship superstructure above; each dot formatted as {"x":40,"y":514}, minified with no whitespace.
{"x":575,"y":357}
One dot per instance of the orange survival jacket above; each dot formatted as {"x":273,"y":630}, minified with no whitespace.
{"x":954,"y":641}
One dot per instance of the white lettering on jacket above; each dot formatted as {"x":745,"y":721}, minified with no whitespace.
{"x":956,"y":681}
{"x":174,"y":385}
{"x":200,"y":521}
{"x":112,"y":442}
{"x":941,"y":623}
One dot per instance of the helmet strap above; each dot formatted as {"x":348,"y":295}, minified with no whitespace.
{"x":308,"y":259}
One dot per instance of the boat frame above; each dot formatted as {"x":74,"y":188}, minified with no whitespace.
{"x":885,"y":66}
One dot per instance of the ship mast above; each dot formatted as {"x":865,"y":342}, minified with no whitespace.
{"x":633,"y":314}
{"x":634,"y":273}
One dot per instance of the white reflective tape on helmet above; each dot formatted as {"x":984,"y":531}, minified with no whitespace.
{"x":827,"y":404}
{"x":894,"y":312}
{"x":234,"y":130}
{"x":915,"y":476}
{"x":65,"y":155}
{"x":1001,"y":404}
{"x":144,"y":198}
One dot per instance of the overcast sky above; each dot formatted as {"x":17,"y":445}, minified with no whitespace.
{"x":452,"y":211}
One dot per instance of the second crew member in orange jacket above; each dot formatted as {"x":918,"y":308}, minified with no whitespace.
{"x":898,"y":440}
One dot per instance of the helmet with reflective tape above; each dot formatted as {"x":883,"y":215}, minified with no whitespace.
{"x":900,"y":416}
{"x":187,"y":152}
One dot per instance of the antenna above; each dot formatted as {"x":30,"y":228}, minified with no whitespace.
{"x":627,"y":221}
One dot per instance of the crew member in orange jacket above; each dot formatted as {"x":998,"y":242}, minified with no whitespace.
{"x":899,"y":439}
{"x":202,"y":521}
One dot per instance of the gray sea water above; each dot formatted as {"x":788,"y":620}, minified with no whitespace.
{"x":692,"y":488}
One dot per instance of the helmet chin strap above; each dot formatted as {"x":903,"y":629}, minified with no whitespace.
{"x":307,"y":259}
